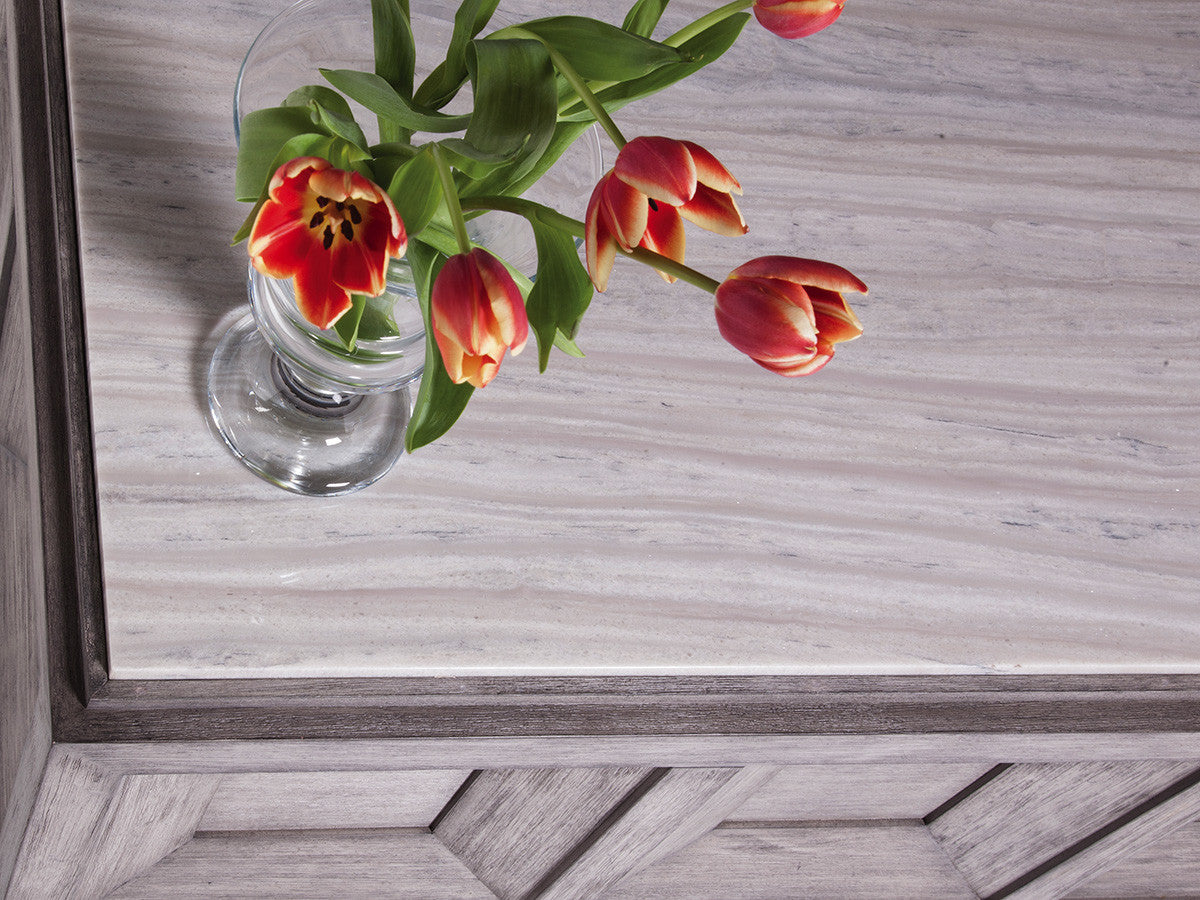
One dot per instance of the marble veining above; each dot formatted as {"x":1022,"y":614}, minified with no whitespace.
{"x":1003,"y":475}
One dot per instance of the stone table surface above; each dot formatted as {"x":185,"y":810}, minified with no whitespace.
{"x":1003,"y":475}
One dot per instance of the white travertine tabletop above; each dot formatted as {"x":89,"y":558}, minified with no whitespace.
{"x":1003,"y":475}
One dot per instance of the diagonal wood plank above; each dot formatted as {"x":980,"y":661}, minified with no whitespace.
{"x":1029,"y":818}
{"x":677,"y":808}
{"x":90,"y":830}
{"x":512,"y":827}
{"x":1141,"y":827}
{"x":1169,"y":867}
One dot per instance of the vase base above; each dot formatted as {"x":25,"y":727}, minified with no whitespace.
{"x":306,"y":442}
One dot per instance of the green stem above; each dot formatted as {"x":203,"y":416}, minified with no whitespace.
{"x":536,"y":212}
{"x":452,"y":204}
{"x":707,"y":21}
{"x":578,"y":84}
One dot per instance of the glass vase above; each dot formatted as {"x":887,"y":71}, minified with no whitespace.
{"x":288,"y":399}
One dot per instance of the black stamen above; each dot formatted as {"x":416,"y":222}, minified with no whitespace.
{"x":328,"y":237}
{"x":347,"y":231}
{"x":322,"y":202}
{"x":355,"y":215}
{"x":341,"y":206}
{"x":654,"y":206}
{"x":316,"y":220}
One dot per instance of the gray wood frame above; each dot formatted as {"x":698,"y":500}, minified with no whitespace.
{"x":88,"y":708}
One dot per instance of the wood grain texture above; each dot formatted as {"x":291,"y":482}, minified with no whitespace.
{"x":1029,"y":814}
{"x":265,"y":801}
{"x":896,"y":862}
{"x":24,"y":698}
{"x":1124,"y":837}
{"x":1169,"y":867}
{"x":674,"y":811}
{"x":512,"y":828}
{"x":397,"y":865}
{"x":92,"y":830}
{"x":705,"y":750}
{"x":834,"y":792}
{"x":1012,"y":181}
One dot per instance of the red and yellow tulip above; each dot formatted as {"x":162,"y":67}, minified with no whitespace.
{"x":797,"y":18}
{"x":655,"y":181}
{"x":477,"y":314}
{"x":787,"y":313}
{"x":331,"y":231}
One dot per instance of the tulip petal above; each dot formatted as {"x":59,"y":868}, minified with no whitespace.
{"x":763,"y":323}
{"x":797,"y":18}
{"x":709,"y":170}
{"x":355,"y":268}
{"x":600,"y":247}
{"x":836,"y":321}
{"x":279,"y":242}
{"x":659,"y":167}
{"x":802,"y":271}
{"x":318,"y":298}
{"x":714,"y":211}
{"x":665,"y":235}
{"x":625,"y":211}
{"x":511,"y":323}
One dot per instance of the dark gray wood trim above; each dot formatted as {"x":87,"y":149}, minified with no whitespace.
{"x":754,"y":705}
{"x":70,"y":518}
{"x":89,"y":708}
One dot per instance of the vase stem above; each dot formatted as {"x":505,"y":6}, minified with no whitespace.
{"x":308,"y":397}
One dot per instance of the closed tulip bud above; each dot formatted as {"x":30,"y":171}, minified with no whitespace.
{"x":477,"y":314}
{"x":787,"y":313}
{"x":797,"y":18}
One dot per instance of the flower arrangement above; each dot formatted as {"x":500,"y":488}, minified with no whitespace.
{"x":331,"y":210}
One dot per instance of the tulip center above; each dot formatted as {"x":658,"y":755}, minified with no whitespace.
{"x":333,"y":219}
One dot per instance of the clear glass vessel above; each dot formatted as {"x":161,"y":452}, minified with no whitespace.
{"x":287,"y":398}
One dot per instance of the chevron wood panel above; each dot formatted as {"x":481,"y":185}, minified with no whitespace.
{"x":348,"y":865}
{"x":678,"y":808}
{"x":514,"y":828}
{"x":885,"y":862}
{"x":262,"y":801}
{"x":91,"y":831}
{"x":1014,"y":833}
{"x":1169,"y":867}
{"x":24,"y":707}
{"x":835,"y":792}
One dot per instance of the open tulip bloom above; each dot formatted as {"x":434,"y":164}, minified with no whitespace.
{"x":331,"y":208}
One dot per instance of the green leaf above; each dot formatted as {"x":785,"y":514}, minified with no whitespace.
{"x":368,"y":319}
{"x":261,"y":135}
{"x":395,"y":56}
{"x":439,"y":401}
{"x":335,"y":123}
{"x":388,"y":159}
{"x":440,"y":87}
{"x":382,"y":99}
{"x":704,"y":48}
{"x":644,"y":16}
{"x":602,"y":52}
{"x":561,"y":291}
{"x":516,"y":101}
{"x":567,"y":346}
{"x":416,"y":191}
{"x":472,"y":161}
{"x":301,"y":145}
{"x":516,"y":178}
{"x":326,"y":97}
